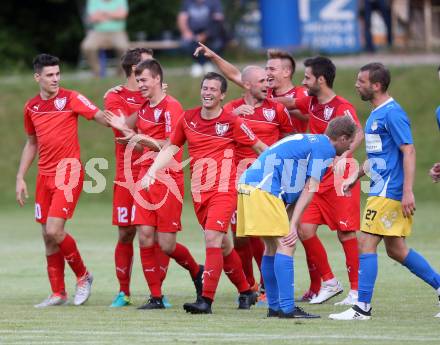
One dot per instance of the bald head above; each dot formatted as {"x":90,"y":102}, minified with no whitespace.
{"x":252,"y":73}
{"x":255,"y":82}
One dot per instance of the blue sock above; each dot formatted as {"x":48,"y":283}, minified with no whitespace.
{"x":270,"y":282}
{"x":367,"y":276}
{"x":418,"y":265}
{"x":284,"y":273}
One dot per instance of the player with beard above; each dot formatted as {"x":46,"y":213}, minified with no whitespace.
{"x":270,"y":121}
{"x":341,"y":213}
{"x":391,"y":204}
{"x":212,"y":135}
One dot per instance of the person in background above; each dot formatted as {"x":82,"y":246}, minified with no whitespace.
{"x":106,"y":20}
{"x":201,"y":21}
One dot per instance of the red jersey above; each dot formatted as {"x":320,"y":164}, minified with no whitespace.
{"x":158,"y":122}
{"x":322,"y":114}
{"x":55,"y":123}
{"x":211,"y":146}
{"x":296,"y":92}
{"x":125,"y":103}
{"x":268,"y":122}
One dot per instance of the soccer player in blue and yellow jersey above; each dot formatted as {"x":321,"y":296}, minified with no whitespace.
{"x":286,"y":174}
{"x":391,"y":204}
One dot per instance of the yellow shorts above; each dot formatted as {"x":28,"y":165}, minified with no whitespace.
{"x":384,"y":216}
{"x":259,"y":213}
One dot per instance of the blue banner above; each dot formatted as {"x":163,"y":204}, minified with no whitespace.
{"x":330,"y":26}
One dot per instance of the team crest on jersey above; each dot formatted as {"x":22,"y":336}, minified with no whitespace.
{"x":60,"y":103}
{"x":157,"y":113}
{"x":269,"y":114}
{"x":328,"y":112}
{"x":374,"y":125}
{"x":221,"y":128}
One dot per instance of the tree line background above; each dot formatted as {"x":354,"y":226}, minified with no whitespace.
{"x":30,"y":27}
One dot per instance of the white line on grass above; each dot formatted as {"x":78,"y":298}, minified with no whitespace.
{"x":228,"y":337}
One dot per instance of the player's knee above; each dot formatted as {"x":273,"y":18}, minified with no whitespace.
{"x":146,"y":238}
{"x":305,"y":232}
{"x":395,"y":253}
{"x":167,"y":246}
{"x":126,"y":235}
{"x":214,"y":239}
{"x":54,"y":233}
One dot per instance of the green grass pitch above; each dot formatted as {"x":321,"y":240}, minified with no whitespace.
{"x":403,"y":305}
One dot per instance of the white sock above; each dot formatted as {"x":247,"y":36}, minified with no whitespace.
{"x":364,"y":306}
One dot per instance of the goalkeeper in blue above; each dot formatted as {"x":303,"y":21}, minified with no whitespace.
{"x":286,"y":174}
{"x":391,"y":204}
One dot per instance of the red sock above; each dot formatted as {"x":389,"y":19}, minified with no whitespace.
{"x":352,"y":261}
{"x":315,"y":250}
{"x":73,"y":257}
{"x":245,"y":253}
{"x":234,"y":270}
{"x":163,"y":261}
{"x":123,"y":264}
{"x":213,"y":270}
{"x":55,"y":271}
{"x":257,"y":246}
{"x":184,"y":258}
{"x":150,"y":268}
{"x":315,"y":276}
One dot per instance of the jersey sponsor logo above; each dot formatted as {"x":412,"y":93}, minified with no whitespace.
{"x":60,"y":103}
{"x":86,"y":102}
{"x":374,"y":125}
{"x":247,"y":130}
{"x":328,"y":112}
{"x":131,"y":99}
{"x":36,"y":107}
{"x":193,"y":124}
{"x":221,"y":128}
{"x":157,"y":113}
{"x":373,"y":143}
{"x":269,"y":114}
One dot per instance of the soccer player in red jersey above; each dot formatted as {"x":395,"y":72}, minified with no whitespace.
{"x":270,"y":121}
{"x":51,"y":123}
{"x":329,"y":206}
{"x":126,"y":101}
{"x":158,"y":210}
{"x":212,"y":135}
{"x":280,"y":68}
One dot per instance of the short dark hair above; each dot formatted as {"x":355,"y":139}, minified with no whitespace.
{"x":341,"y":125}
{"x":378,"y":73}
{"x":152,"y":65}
{"x":132,"y":57}
{"x":44,"y":60}
{"x":282,"y":55}
{"x":322,"y":66}
{"x":216,"y":76}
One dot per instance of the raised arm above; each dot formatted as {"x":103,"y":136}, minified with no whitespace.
{"x":229,"y":70}
{"x":27,"y":157}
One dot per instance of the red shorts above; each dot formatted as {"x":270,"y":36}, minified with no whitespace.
{"x":53,"y":201}
{"x":234,"y":221}
{"x":158,"y":207}
{"x":338,"y":212}
{"x":123,"y":204}
{"x":215,"y":210}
